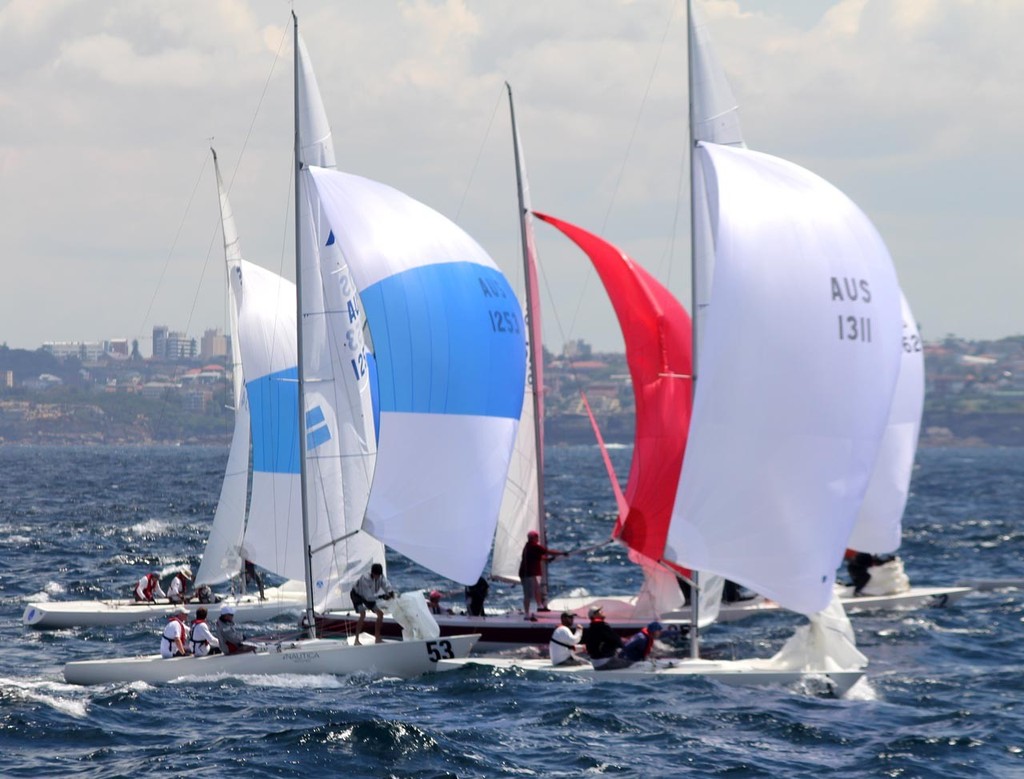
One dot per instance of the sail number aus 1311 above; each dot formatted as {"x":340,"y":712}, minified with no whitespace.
{"x":854,"y":328}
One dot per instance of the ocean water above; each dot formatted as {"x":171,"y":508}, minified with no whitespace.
{"x":943,"y":695}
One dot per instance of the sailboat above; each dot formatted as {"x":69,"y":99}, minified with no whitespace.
{"x":658,"y":336}
{"x":221,"y":560}
{"x":329,"y":404}
{"x":797,"y":341}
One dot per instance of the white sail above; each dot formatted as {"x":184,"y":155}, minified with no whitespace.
{"x":339,"y":431}
{"x":267,"y":318}
{"x":879,"y":527}
{"x":798,"y":364}
{"x":522,"y":508}
{"x":221,"y":559}
{"x":448,"y":338}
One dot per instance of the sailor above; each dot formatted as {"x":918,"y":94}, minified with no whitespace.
{"x":229,"y":637}
{"x":201,"y":641}
{"x":531,"y":567}
{"x":172,"y":642}
{"x":565,"y":640}
{"x":205,"y":594}
{"x":476,"y":594}
{"x":148,"y":589}
{"x":640,"y":644}
{"x":371,"y":587}
{"x":251,"y":576}
{"x":603,"y":643}
{"x":177,"y":591}
{"x":434,"y":602}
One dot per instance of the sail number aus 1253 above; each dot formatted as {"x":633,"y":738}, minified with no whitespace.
{"x":504,"y":321}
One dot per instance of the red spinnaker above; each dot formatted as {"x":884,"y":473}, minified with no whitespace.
{"x":657,"y":333}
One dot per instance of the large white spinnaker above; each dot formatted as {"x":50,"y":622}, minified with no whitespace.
{"x":221,"y":560}
{"x":879,"y":527}
{"x":448,"y":342}
{"x":798,"y":364}
{"x":339,"y":430}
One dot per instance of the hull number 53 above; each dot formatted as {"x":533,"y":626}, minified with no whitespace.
{"x":440,"y":650}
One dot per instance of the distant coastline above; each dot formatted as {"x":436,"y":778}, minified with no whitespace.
{"x":939,"y":429}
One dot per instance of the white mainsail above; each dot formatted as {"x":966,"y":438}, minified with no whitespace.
{"x":448,"y":337}
{"x":798,"y":364}
{"x":338,"y":420}
{"x":221,"y":560}
{"x":340,"y":434}
{"x":879,"y":527}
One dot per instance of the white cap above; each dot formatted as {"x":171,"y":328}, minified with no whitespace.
{"x":227,"y":610}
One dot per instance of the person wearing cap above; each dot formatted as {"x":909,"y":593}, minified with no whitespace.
{"x":229,"y":636}
{"x":640,"y":643}
{"x":565,"y":641}
{"x":172,"y":642}
{"x":201,"y":641}
{"x":434,"y":601}
{"x":371,"y":587}
{"x":177,"y":590}
{"x":603,"y":643}
{"x":531,"y":567}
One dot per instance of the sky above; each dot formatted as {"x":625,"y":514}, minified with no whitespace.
{"x":109,"y":222}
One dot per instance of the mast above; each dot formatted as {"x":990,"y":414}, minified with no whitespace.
{"x":533,"y":329}
{"x":694,"y":295}
{"x":308,"y":552}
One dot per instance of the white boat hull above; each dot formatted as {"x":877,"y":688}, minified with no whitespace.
{"x":914,"y":598}
{"x":746,"y":673}
{"x":310,"y":657}
{"x":104,"y":613}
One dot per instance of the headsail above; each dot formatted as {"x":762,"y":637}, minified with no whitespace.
{"x":221,"y":559}
{"x":656,"y":329}
{"x":879,"y":525}
{"x":448,"y":338}
{"x":799,"y":361}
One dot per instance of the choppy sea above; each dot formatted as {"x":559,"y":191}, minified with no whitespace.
{"x":944,"y":695}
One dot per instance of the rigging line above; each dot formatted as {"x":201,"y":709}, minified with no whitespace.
{"x":639,"y":113}
{"x":479,"y":154}
{"x":629,"y":149}
{"x":259,"y":107}
{"x":174,"y":244}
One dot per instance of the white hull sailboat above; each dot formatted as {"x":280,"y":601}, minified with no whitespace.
{"x":222,"y":559}
{"x":307,"y":656}
{"x":740,"y":673}
{"x":312,"y":417}
{"x":914,"y":598}
{"x":796,"y":343}
{"x":289,"y":597}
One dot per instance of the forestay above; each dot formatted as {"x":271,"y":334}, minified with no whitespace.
{"x":799,"y":361}
{"x":448,"y":341}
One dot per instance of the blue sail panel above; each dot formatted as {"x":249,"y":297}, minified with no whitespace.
{"x":274,"y":411}
{"x":448,"y":339}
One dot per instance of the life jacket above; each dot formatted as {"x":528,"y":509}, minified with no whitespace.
{"x":147,"y":591}
{"x":181,"y":633}
{"x":192,"y":635}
